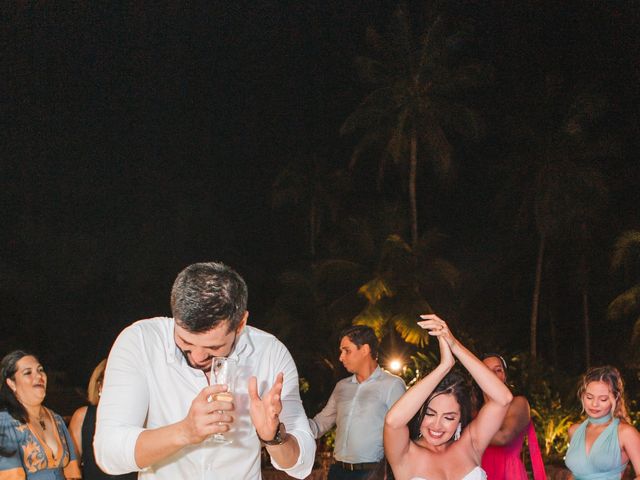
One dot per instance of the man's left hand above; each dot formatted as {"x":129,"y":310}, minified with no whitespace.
{"x":265,"y":411}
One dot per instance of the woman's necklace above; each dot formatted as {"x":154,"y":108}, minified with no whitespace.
{"x":41,"y":420}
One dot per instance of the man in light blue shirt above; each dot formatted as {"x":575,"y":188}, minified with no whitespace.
{"x":357,"y":406}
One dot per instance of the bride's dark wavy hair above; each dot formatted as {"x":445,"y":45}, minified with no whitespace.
{"x":454,"y":383}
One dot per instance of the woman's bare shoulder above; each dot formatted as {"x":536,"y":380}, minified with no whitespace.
{"x":78,"y":416}
{"x":520,"y":402}
{"x":627,"y":429}
{"x":572,"y":429}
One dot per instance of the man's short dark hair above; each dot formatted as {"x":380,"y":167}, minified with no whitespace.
{"x":362,"y":335}
{"x":206,"y":294}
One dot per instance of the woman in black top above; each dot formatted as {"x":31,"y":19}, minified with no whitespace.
{"x":83,"y":426}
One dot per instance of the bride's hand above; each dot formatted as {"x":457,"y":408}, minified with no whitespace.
{"x":437,"y":327}
{"x":446,"y":356}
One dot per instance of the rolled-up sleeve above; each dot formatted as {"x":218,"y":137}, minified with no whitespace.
{"x":123,"y":404}
{"x":293,"y":415}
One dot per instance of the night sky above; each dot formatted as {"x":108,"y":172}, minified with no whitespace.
{"x":138,"y":139}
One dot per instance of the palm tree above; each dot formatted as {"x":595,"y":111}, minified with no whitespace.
{"x":570,"y":201}
{"x":397,"y":293}
{"x":568,"y":195}
{"x":414,"y":104}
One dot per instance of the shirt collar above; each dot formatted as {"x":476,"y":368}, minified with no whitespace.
{"x":375,"y":374}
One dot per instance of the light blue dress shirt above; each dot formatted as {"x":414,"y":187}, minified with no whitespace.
{"x":358,"y":411}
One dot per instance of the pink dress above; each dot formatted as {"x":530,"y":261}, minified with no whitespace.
{"x":505,"y":462}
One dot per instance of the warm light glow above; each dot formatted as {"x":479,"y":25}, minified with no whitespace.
{"x":395,"y":365}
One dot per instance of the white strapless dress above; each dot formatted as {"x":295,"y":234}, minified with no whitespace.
{"x":475,"y":474}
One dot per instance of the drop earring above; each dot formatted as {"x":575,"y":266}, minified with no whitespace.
{"x":456,"y":436}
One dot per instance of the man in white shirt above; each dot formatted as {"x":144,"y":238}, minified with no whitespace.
{"x":158,"y":410}
{"x":358,"y":406}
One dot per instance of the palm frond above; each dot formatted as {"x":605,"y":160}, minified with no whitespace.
{"x":371,"y":71}
{"x":626,"y":250}
{"x":372,"y":317}
{"x":432,"y":43}
{"x":635,"y":337}
{"x":406,"y":325}
{"x":625,"y":304}
{"x":375,"y":290}
{"x":367,"y":141}
{"x":363,"y":118}
{"x":398,"y":142}
{"x":399,"y":44}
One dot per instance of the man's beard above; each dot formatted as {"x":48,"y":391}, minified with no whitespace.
{"x":196,"y":367}
{"x":210,"y":357}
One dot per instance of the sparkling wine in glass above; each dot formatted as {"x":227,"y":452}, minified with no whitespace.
{"x":223,"y":372}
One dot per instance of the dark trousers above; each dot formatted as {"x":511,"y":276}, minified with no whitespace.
{"x":336,"y":472}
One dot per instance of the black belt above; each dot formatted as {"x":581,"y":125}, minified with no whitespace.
{"x":352,"y":467}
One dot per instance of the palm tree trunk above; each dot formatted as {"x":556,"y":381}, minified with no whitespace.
{"x":553,"y":331}
{"x":413,"y":166}
{"x":312,"y":230}
{"x":536,"y":300}
{"x":587,"y":322}
{"x":585,"y":312}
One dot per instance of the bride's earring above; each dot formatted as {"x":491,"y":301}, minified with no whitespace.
{"x":456,"y":436}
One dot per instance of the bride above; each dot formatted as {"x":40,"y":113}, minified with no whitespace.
{"x":428,"y":433}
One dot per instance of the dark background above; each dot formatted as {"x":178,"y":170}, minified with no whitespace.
{"x":140,"y":138}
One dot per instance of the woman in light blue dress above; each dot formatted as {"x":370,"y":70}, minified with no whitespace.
{"x":428,"y":433}
{"x":601,"y":447}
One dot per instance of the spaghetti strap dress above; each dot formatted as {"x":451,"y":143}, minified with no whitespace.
{"x":505,"y":462}
{"x":90,"y":470}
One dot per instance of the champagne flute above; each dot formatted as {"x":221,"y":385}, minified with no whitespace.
{"x":223,"y":372}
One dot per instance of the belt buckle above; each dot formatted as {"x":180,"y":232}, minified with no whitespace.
{"x":349,"y":467}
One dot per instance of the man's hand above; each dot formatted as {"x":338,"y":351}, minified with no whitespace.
{"x":265,"y":411}
{"x":207,"y":415}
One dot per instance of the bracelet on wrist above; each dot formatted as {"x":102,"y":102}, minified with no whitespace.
{"x":279,"y":437}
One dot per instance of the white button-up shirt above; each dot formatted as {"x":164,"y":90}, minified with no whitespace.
{"x":358,"y":411}
{"x":148,"y":384}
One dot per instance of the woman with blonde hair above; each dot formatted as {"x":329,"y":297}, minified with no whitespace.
{"x":602,"y":446}
{"x":83,"y":426}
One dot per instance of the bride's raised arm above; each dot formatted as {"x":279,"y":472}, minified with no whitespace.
{"x":490,"y":416}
